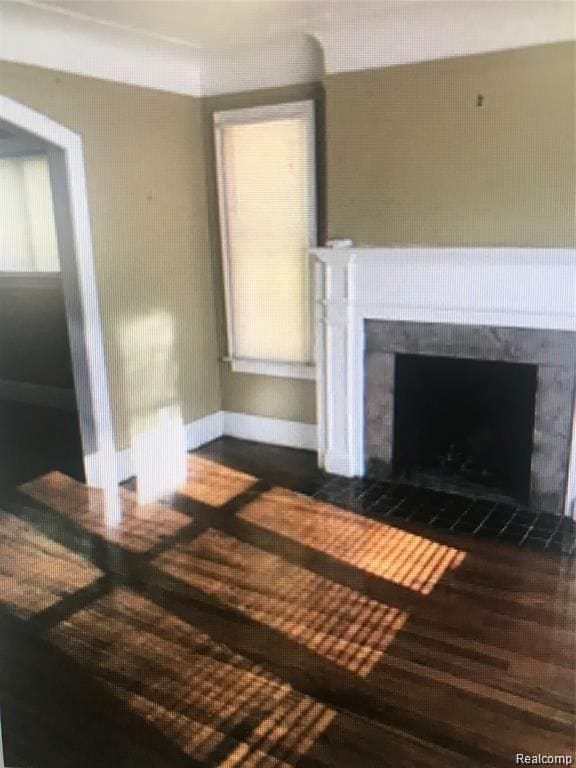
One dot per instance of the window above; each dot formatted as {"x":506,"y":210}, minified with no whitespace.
{"x":267,"y":197}
{"x":27,"y":227}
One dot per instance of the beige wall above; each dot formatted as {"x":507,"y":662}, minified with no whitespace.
{"x":279,"y":398}
{"x":146,"y":185}
{"x":412,"y":159}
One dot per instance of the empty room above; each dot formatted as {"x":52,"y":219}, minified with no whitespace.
{"x":287,"y":383}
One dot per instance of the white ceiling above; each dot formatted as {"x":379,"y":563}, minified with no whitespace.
{"x":214,"y":24}
{"x":198,"y":23}
{"x":211,"y":46}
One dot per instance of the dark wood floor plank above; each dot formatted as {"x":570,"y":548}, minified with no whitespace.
{"x":36,"y":572}
{"x":355,"y":637}
{"x":413,"y":561}
{"x":139,"y":527}
{"x":239,"y":623}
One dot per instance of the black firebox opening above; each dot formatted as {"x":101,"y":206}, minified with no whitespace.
{"x":464,"y":425}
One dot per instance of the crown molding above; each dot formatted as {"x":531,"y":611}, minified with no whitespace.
{"x":44,"y":38}
{"x":440,"y":30}
{"x":288,"y":61}
{"x":391,"y":35}
{"x":35,"y":35}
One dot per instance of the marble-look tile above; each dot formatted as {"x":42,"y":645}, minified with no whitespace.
{"x":554,"y":352}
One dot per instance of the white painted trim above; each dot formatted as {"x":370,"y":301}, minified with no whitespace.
{"x":400,"y":33}
{"x":72,"y":215}
{"x":69,"y":41}
{"x":510,"y":287}
{"x":273,"y":368}
{"x":47,"y":37}
{"x":304,"y":110}
{"x":293,"y":434}
{"x":204,"y":430}
{"x":124,"y":465}
{"x":327,"y":38}
{"x":38,"y":394}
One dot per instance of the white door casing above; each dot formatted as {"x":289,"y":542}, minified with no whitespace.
{"x":72,"y":215}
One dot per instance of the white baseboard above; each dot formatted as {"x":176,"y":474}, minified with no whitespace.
{"x":124,"y":465}
{"x":204,"y":430}
{"x":337,"y":464}
{"x":293,"y":434}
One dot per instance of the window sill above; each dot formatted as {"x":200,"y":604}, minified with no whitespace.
{"x":271,"y":368}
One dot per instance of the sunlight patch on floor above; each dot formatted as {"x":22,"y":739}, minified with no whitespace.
{"x":390,"y":553}
{"x":197,"y":692}
{"x":333,"y":620}
{"x":140,"y":526}
{"x":212,"y":483}
{"x":35,"y":572}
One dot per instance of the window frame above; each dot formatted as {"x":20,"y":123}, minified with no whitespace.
{"x":304,"y":110}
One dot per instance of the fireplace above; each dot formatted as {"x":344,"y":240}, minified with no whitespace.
{"x":497,"y":399}
{"x":451,"y":367}
{"x":464,"y":425}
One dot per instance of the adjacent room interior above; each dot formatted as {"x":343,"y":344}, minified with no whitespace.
{"x":40,"y":429}
{"x":287,"y":383}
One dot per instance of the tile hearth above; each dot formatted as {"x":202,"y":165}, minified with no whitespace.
{"x":452,"y":513}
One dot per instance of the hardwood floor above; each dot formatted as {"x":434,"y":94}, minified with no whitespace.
{"x":244,"y":623}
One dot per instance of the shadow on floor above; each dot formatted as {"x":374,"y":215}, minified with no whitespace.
{"x":35,"y":440}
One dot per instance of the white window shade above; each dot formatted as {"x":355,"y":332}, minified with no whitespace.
{"x":267,"y":206}
{"x":27,"y":227}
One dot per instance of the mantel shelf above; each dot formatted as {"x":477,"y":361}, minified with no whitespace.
{"x":482,"y":286}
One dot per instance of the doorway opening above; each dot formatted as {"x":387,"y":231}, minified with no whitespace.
{"x":53,"y":380}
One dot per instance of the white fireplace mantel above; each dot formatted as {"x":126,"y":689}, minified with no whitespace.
{"x":507,"y":287}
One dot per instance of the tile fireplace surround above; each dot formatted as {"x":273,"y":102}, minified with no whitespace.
{"x":505,"y":304}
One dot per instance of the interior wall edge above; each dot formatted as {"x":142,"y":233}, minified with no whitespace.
{"x":292,"y":434}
